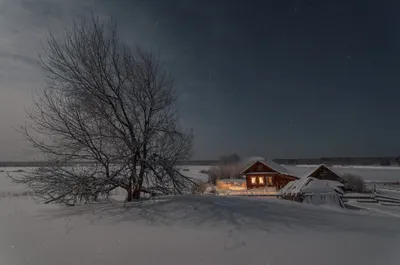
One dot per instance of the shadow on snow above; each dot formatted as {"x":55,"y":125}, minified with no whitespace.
{"x":271,"y":215}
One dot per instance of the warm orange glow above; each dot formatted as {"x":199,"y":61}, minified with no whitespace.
{"x":253,"y":180}
{"x":261,"y":180}
{"x":269,"y":180}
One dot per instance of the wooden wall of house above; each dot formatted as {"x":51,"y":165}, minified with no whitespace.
{"x":249,"y":183}
{"x":270,"y":180}
{"x":282,"y":180}
{"x":324,"y":173}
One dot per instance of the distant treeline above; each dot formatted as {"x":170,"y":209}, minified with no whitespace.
{"x":49,"y":163}
{"x":34,"y":163}
{"x":367,"y":161}
{"x":361,"y":161}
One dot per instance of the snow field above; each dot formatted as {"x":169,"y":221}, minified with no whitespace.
{"x":189,"y":230}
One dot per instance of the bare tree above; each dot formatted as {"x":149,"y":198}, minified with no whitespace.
{"x":229,"y":167}
{"x":230,"y":159}
{"x":354,"y":183}
{"x":109,"y":106}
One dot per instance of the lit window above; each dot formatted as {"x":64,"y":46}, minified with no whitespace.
{"x":269,"y":180}
{"x":261,"y":180}
{"x":253,"y":180}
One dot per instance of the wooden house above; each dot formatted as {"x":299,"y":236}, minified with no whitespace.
{"x":324,"y":172}
{"x":267,"y":173}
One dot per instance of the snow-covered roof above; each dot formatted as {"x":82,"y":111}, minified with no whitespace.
{"x":271,"y":164}
{"x":309,"y":185}
{"x":294,"y":187}
{"x":334,"y":183}
{"x":288,"y":187}
{"x":318,"y":167}
{"x":257,"y":173}
{"x":319,"y":186}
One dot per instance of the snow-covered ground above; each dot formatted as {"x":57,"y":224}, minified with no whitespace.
{"x":195,"y":172}
{"x":192,"y":230}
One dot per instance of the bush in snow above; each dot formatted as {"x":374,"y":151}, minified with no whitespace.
{"x":354,"y":183}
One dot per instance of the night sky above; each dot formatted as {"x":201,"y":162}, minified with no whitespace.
{"x":279,"y":79}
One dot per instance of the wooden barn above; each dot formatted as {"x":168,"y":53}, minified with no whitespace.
{"x":313,"y":191}
{"x":323,"y":172}
{"x":267,"y":173}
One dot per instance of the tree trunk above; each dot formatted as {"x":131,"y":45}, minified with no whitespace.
{"x":138,"y":188}
{"x":136,"y":194}
{"x":139,"y":184}
{"x":129,"y":195}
